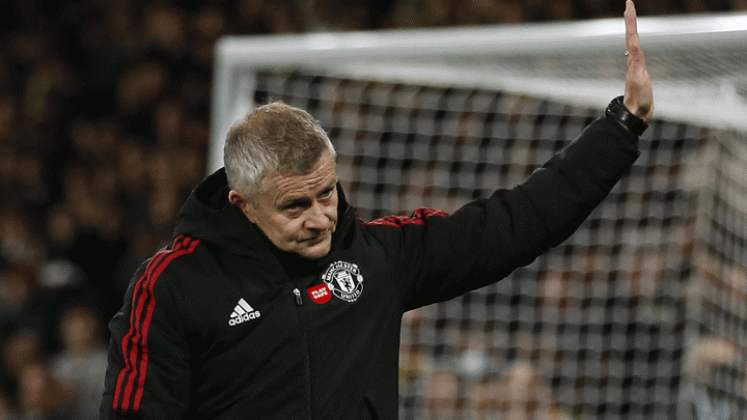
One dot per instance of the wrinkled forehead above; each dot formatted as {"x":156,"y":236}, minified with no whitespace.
{"x":284,"y":185}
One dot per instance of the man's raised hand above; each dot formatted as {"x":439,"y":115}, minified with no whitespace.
{"x":639,"y":96}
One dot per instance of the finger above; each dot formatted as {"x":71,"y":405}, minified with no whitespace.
{"x":638,"y":96}
{"x":632,"y":42}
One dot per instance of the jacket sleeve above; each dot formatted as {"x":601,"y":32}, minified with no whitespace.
{"x":442,"y":256}
{"x":149,"y":374}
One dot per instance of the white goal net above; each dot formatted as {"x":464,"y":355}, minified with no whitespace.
{"x":643,"y":313}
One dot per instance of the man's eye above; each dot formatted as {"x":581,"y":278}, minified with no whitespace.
{"x":292,"y":207}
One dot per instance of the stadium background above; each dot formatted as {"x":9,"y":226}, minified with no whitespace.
{"x":104,"y":121}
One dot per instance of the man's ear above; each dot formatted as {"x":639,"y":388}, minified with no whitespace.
{"x":242,"y":203}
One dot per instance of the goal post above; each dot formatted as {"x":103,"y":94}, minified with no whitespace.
{"x":696,"y":63}
{"x":642,"y":313}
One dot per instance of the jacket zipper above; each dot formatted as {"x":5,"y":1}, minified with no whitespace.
{"x":306,"y":359}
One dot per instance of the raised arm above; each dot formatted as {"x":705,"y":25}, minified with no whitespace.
{"x":444,"y":256}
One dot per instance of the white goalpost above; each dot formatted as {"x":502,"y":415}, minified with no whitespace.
{"x":697,"y":63}
{"x":642,"y":313}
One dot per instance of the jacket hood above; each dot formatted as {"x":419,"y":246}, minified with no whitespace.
{"x":209,"y":216}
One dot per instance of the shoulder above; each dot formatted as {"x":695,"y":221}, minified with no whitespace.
{"x":161,"y":271}
{"x":419,"y":217}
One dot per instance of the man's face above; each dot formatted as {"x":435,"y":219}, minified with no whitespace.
{"x":298,"y":213}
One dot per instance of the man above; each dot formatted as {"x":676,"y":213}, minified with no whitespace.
{"x":276,"y":302}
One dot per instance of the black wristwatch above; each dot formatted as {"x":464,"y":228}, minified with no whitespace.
{"x":618,"y":112}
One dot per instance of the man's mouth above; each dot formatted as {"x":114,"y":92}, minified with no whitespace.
{"x":317,"y":239}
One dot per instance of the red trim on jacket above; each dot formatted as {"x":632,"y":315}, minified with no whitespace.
{"x":135,"y":351}
{"x":418,"y":217}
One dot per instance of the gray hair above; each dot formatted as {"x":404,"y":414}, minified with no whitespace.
{"x":274,"y":138}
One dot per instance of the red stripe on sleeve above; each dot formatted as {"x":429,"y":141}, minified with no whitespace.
{"x":419,"y":217}
{"x":135,"y":342}
{"x":128,"y":338}
{"x":149,"y":318}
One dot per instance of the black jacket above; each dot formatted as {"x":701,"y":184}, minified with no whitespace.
{"x":222,"y":325}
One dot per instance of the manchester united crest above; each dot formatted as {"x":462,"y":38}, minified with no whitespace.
{"x":344,"y":280}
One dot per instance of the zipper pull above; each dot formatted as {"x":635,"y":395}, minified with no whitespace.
{"x":297,"y":292}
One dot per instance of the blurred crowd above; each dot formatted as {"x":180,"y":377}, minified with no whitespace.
{"x":104,"y":116}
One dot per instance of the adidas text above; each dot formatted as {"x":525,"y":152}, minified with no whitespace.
{"x":242,"y":312}
{"x":243,"y":318}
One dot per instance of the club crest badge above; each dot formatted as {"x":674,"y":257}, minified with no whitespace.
{"x":344,"y":280}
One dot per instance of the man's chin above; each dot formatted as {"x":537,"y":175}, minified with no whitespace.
{"x":316,"y":251}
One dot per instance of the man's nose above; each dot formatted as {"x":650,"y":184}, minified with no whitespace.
{"x":318,"y":218}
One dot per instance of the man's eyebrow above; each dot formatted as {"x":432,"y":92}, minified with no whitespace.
{"x":300,"y":199}
{"x":291,"y":201}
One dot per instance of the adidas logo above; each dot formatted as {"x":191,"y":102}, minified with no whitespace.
{"x":242,"y":312}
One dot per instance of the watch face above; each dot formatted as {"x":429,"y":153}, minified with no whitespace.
{"x":617,"y":111}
